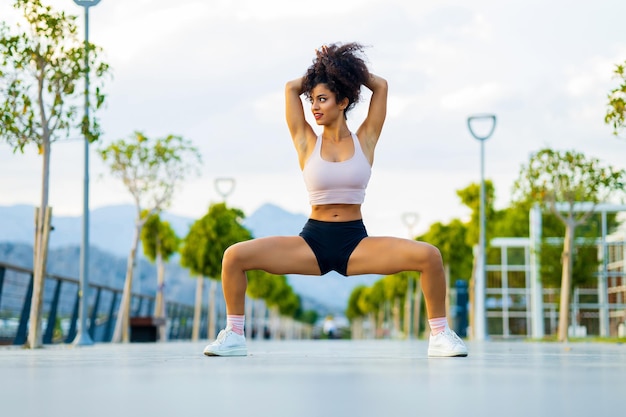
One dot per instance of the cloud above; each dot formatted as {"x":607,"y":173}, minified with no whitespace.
{"x":481,"y":96}
{"x":214,"y":72}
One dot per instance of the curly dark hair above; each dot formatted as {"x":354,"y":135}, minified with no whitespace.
{"x":342,"y":68}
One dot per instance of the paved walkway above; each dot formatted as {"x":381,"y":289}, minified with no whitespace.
{"x":314,"y":379}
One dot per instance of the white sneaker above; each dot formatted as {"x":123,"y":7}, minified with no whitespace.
{"x":446,"y":344}
{"x":228,"y":343}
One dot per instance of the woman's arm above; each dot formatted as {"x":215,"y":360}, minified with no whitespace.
{"x":300,"y":130}
{"x":293,"y":107}
{"x":372,"y":126}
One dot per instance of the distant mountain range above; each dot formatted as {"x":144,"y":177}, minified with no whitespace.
{"x":111,"y":234}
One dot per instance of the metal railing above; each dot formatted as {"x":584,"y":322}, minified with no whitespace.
{"x":61,"y":309}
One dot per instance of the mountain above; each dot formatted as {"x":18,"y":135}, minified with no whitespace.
{"x":111,"y":234}
{"x":111,"y":227}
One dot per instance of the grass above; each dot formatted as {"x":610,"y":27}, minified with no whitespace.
{"x":591,"y":339}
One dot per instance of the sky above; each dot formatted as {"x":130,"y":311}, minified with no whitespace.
{"x":214,"y":72}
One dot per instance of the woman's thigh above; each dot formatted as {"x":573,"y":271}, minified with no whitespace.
{"x":390,"y":255}
{"x":277,"y":255}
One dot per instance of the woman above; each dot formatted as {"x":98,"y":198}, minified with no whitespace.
{"x":336,"y":166}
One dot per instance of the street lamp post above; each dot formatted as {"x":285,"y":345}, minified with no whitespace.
{"x":224,"y":186}
{"x":481,"y":127}
{"x":82,"y":337}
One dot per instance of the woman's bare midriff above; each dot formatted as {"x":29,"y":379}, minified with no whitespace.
{"x":336,"y":212}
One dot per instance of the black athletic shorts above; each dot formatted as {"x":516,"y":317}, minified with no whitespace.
{"x":333,"y":242}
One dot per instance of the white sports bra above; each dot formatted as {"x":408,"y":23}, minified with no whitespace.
{"x":336,"y":182}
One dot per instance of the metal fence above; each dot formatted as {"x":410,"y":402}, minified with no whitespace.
{"x":508,"y":295}
{"x":61,"y":306}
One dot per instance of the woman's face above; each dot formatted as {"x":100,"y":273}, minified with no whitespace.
{"x":324,"y":105}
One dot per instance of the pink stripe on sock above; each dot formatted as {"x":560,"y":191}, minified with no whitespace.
{"x":236,"y":323}
{"x":437,"y":325}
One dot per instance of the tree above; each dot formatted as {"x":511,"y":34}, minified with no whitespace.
{"x":354,"y":313}
{"x":259,"y":288}
{"x":567,"y":177}
{"x":152,"y":170}
{"x":204,"y":246}
{"x":282,"y":302}
{"x":40,"y":69}
{"x":616,"y":111}
{"x":452,"y":241}
{"x":373,"y":302}
{"x":159,"y":243}
{"x":470,"y":196}
{"x":513,"y":221}
{"x":396,"y":288}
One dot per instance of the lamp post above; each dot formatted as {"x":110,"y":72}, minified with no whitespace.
{"x":82,"y":337}
{"x":481,"y":127}
{"x":224,"y":186}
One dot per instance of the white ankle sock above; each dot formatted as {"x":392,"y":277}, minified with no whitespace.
{"x":437,"y":325}
{"x":235,"y":322}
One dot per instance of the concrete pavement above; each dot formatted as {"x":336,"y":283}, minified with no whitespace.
{"x":314,"y":378}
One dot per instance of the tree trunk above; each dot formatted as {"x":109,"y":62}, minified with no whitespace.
{"x":380,"y":322}
{"x":373,"y":328}
{"x":408,"y":309}
{"x":40,"y":251}
{"x":40,"y":256}
{"x":261,"y":319}
{"x":397,"y":329}
{"x":566,"y":280}
{"x":197,"y":313}
{"x":357,"y":328}
{"x":212,"y":287}
{"x":122,"y":325}
{"x":159,"y":303}
{"x":274,"y":323}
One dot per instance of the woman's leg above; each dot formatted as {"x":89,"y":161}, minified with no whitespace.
{"x":390,"y":255}
{"x":279,"y":255}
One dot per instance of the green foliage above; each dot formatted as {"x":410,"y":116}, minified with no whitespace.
{"x":41,"y":69}
{"x":208,"y":238}
{"x":290,"y":303}
{"x":452,"y":241}
{"x":512,"y":221}
{"x":567,"y":177}
{"x":354,"y":310}
{"x":470,"y":196}
{"x":276,"y":291}
{"x":259,"y":284}
{"x":151,"y":169}
{"x":158,"y":237}
{"x":369,"y":299}
{"x":279,"y":290}
{"x":616,"y":106}
{"x":585,"y":264}
{"x":307,"y":316}
{"x":395,"y":285}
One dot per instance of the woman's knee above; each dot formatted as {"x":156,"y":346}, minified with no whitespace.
{"x":232,"y":255}
{"x":433,"y":256}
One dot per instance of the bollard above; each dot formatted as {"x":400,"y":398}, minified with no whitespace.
{"x":461,"y":310}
